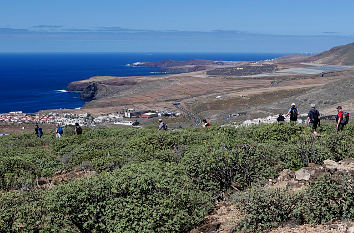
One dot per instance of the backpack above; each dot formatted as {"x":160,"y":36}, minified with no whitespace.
{"x":78,"y":130}
{"x":164,"y":126}
{"x":345,"y":119}
{"x":60,"y":130}
{"x":293,"y":114}
{"x":40,"y":131}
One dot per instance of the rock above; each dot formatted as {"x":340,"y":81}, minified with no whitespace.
{"x":66,"y":158}
{"x":286,"y":174}
{"x":347,"y":164}
{"x":351,"y":229}
{"x":304,"y":174}
{"x":344,"y":165}
{"x":330,"y":164}
{"x":86,"y":165}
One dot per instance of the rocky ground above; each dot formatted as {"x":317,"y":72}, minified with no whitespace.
{"x":227,"y":215}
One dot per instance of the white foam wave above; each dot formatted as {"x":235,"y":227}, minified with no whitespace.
{"x":61,"y":91}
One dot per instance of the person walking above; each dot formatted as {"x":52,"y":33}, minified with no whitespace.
{"x":294,"y":113}
{"x":38,"y":131}
{"x":205,"y":123}
{"x":162,"y":125}
{"x":78,"y":129}
{"x":59,"y":131}
{"x":313,"y":118}
{"x":342,"y":118}
{"x":280,"y":118}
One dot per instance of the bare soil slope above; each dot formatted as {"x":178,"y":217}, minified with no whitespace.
{"x":340,"y":55}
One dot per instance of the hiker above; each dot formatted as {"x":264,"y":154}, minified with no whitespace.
{"x":78,"y":129}
{"x":38,"y":131}
{"x":313,"y":118}
{"x":162,"y":125}
{"x":205,"y":123}
{"x":59,"y":131}
{"x":342,"y":118}
{"x":294,"y":113}
{"x":280,"y":118}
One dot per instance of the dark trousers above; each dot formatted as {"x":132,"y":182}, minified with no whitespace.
{"x":340,"y":127}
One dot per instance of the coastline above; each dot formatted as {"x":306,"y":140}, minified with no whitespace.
{"x":31,"y":81}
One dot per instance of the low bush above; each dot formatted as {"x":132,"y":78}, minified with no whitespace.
{"x":254,"y":163}
{"x":158,"y":181}
{"x":264,"y":208}
{"x":276,"y":132}
{"x":329,"y":198}
{"x":145,"y":197}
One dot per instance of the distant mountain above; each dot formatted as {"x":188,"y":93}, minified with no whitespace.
{"x":340,"y":55}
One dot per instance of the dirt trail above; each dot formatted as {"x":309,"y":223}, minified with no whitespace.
{"x":222,"y":220}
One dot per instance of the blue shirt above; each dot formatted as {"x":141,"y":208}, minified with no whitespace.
{"x":296,"y":110}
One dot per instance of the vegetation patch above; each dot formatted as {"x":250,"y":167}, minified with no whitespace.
{"x":153,"y":181}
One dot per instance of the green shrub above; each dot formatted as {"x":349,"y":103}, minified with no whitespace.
{"x":340,"y":145}
{"x":156,"y":181}
{"x":210,"y":169}
{"x":17,"y":172}
{"x":306,"y":149}
{"x":254,"y":163}
{"x":329,"y":198}
{"x":145,"y":197}
{"x":264,"y":208}
{"x":276,"y":132}
{"x":22,"y":212}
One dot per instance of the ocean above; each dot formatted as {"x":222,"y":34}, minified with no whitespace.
{"x":33,"y":82}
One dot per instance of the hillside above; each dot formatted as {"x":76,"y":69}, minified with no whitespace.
{"x":145,"y":180}
{"x":226,"y":88}
{"x":340,"y":55}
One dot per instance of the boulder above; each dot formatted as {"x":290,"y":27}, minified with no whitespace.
{"x":304,"y":174}
{"x":330,"y":164}
{"x":344,"y":165}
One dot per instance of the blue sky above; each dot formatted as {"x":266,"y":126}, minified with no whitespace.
{"x":174,"y":26}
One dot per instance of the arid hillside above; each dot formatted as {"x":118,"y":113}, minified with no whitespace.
{"x":228,"y":89}
{"x":340,"y":55}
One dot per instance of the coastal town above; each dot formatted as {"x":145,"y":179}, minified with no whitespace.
{"x":85,"y":119}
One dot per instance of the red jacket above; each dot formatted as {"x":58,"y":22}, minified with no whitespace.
{"x":340,"y":116}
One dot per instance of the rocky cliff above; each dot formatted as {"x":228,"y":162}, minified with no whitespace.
{"x":97,"y":87}
{"x":89,"y":92}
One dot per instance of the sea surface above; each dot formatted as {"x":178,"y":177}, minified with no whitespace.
{"x":33,"y":82}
